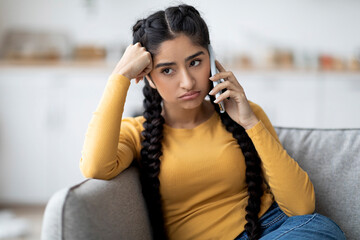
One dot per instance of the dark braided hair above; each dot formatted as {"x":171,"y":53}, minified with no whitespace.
{"x":254,"y":178}
{"x":151,"y":32}
{"x":150,"y":162}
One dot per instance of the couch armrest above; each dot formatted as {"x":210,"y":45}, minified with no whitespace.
{"x":98,"y":209}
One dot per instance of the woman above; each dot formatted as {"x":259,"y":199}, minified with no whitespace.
{"x":205,"y":174}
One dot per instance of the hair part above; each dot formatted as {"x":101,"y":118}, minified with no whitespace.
{"x":167,"y":25}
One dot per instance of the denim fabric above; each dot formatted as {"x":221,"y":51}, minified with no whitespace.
{"x":275,"y":224}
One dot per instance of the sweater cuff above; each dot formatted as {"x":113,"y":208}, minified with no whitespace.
{"x":255,"y":130}
{"x":119,"y":77}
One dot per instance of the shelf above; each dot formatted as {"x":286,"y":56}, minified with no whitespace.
{"x":102,"y":64}
{"x":56,"y":63}
{"x":291,"y":70}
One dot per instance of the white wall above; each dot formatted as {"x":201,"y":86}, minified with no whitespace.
{"x":318,"y":26}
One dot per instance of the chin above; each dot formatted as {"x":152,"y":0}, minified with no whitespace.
{"x":192,"y":105}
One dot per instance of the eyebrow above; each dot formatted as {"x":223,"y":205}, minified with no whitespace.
{"x":173,"y":63}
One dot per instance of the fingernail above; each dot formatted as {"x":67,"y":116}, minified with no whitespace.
{"x":216,"y":101}
{"x":211,"y":92}
{"x":211,"y":78}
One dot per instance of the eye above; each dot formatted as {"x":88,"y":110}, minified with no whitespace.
{"x":194,"y":63}
{"x":167,"y":71}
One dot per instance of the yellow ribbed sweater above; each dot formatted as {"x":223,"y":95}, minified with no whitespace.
{"x":202,"y":178}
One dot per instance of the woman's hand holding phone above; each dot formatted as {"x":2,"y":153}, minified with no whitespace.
{"x":135,"y":63}
{"x":237,"y":106}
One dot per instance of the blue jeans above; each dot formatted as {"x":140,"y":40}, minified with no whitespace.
{"x":275,"y":224}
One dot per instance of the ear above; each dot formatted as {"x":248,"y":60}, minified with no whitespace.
{"x":151,"y":83}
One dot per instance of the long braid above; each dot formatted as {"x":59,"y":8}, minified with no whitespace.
{"x":254,"y":178}
{"x":150,"y":162}
{"x":151,"y":32}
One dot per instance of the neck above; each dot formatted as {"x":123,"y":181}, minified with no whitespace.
{"x":187,"y":118}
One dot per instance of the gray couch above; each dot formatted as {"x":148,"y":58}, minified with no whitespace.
{"x":115,"y":209}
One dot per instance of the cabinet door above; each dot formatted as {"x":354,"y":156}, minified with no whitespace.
{"x":288,"y":99}
{"x":314,"y":100}
{"x":23,"y":165}
{"x":73,"y":97}
{"x":44,"y":115}
{"x":340,"y":101}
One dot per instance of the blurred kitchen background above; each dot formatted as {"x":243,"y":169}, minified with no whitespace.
{"x":300,"y":60}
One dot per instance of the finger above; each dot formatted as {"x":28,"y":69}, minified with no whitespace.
{"x":219,"y":66}
{"x":222,"y":75}
{"x":149,"y":67}
{"x":148,"y":62}
{"x":222,"y":96}
{"x":141,"y":76}
{"x":220,"y":87}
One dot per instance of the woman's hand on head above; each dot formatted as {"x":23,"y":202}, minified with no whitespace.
{"x":236,"y":103}
{"x":135,"y":63}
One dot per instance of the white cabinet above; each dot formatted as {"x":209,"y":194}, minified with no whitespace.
{"x":72,"y":97}
{"x":45,"y":111}
{"x":44,"y":114}
{"x":305,"y":99}
{"x":22,"y":140}
{"x":340,"y":101}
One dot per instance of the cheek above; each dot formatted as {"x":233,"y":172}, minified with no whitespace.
{"x":165,"y":88}
{"x":205,"y":70}
{"x":204,"y":76}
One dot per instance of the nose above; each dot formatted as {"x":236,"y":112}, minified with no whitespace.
{"x":187,"y":82}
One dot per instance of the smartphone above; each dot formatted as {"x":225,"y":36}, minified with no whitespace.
{"x":213,"y":72}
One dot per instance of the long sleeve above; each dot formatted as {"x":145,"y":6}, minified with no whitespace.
{"x":289,"y":184}
{"x":102,"y":155}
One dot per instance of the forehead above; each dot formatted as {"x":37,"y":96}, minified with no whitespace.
{"x":176,"y":49}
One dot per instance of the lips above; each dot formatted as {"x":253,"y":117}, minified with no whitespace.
{"x":190,"y":95}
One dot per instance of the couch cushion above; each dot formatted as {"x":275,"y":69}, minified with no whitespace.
{"x":331,"y":157}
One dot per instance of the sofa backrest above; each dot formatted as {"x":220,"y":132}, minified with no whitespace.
{"x":331,"y":157}
{"x":115,"y":209}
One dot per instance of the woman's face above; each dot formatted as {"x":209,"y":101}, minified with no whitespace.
{"x":181,"y":73}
